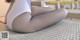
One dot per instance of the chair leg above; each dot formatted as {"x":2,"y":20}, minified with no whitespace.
{"x":43,"y":4}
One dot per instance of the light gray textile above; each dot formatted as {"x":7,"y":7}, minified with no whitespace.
{"x":64,"y":30}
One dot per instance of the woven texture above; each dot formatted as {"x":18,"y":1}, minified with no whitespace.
{"x":64,"y":30}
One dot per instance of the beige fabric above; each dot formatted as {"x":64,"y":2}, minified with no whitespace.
{"x":3,"y":27}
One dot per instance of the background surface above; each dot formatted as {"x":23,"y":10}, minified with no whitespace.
{"x":4,"y":6}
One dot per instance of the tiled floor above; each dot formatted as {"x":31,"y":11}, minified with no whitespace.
{"x":73,"y":19}
{"x":3,"y":26}
{"x":64,"y":30}
{"x":67,"y":29}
